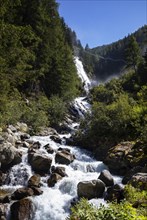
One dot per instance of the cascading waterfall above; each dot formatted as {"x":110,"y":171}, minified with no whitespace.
{"x":55,"y":202}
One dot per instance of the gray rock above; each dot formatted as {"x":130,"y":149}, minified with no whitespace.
{"x":139,"y":180}
{"x":106,"y":177}
{"x":130,"y":173}
{"x":22,"y":193}
{"x":39,"y":163}
{"x":54,"y":178}
{"x":34,"y":181}
{"x":91,"y":189}
{"x":64,"y":157}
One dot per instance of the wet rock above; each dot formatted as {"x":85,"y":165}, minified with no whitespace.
{"x":22,"y":193}
{"x":3,"y":177}
{"x":59,"y":170}
{"x":64,"y":149}
{"x":12,"y":128}
{"x":49,"y":149}
{"x":56,"y":138}
{"x":91,"y":189}
{"x":115,"y":193}
{"x":4,"y":196}
{"x":22,"y":210}
{"x":34,"y":181}
{"x":24,"y":136}
{"x":54,"y":178}
{"x":139,"y":180}
{"x":47,"y":131}
{"x":106,"y":177}
{"x":39,"y":163}
{"x":36,"y":145}
{"x":37,"y":191}
{"x":9,"y":155}
{"x":130,"y":173}
{"x":64,"y":157}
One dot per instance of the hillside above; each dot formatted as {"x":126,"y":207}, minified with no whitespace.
{"x":106,"y":61}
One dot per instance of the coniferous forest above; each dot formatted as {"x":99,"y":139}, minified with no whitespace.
{"x":39,"y":81}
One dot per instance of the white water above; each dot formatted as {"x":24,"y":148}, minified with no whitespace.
{"x":55,"y":202}
{"x":82,"y":74}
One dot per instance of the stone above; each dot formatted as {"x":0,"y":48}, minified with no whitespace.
{"x":59,"y":170}
{"x":54,"y":178}
{"x":39,"y":163}
{"x":56,"y":138}
{"x":139,"y":180}
{"x":22,"y":193}
{"x":37,"y":191}
{"x":49,"y":149}
{"x":3,"y":211}
{"x":34,"y":181}
{"x":106,"y":177}
{"x":22,"y":210}
{"x":9,"y":155}
{"x":22,"y":127}
{"x":91,"y":189}
{"x":64,"y":157}
{"x":130,"y":173}
{"x":115,"y":193}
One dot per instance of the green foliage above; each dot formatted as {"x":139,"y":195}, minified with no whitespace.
{"x":56,"y":110}
{"x":133,"y":53}
{"x":123,"y":211}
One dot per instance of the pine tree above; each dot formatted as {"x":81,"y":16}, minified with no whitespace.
{"x":133,"y":53}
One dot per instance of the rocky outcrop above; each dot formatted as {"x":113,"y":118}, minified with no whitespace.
{"x":115,"y":193}
{"x":124,"y":156}
{"x":54,"y":178}
{"x":91,"y":189}
{"x":9,"y":155}
{"x":106,"y":177}
{"x":130,"y":173}
{"x":139,"y":180}
{"x":22,"y":210}
{"x":64,"y":157}
{"x":39,"y":163}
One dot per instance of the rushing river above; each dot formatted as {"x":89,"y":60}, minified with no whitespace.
{"x":55,"y":202}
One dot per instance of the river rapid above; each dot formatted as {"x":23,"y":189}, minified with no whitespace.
{"x":55,"y":202}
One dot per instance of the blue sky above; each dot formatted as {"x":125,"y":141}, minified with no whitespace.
{"x":99,"y":22}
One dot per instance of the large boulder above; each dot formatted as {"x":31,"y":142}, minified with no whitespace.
{"x":124,"y":156}
{"x":106,"y":177}
{"x":130,"y":173}
{"x":91,"y":189}
{"x":39,"y":163}
{"x":64,"y":157}
{"x":34,"y":181}
{"x":54,"y":178}
{"x":9,"y":155}
{"x":115,"y":193}
{"x":22,"y":210}
{"x":22,"y":193}
{"x":139,"y":180}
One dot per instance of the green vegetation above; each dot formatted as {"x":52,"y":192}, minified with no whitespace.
{"x":119,"y":112}
{"x":105,"y":61}
{"x":36,"y":59}
{"x":123,"y":211}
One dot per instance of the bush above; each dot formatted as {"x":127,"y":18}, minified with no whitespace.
{"x":85,"y":211}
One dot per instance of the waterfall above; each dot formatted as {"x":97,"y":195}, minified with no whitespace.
{"x":55,"y":202}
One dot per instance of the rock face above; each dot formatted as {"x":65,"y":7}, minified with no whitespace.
{"x":91,"y":189}
{"x":115,"y":194}
{"x":130,"y":173}
{"x":124,"y":156}
{"x":39,"y":163}
{"x":9,"y":155}
{"x":139,"y":180}
{"x":64,"y":157}
{"x":54,"y":178}
{"x":21,"y":210}
{"x":106,"y":177}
